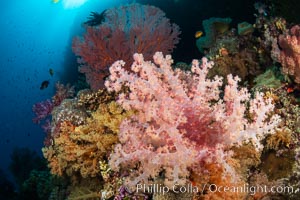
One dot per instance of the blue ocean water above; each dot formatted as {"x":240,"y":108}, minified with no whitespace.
{"x":35,"y":36}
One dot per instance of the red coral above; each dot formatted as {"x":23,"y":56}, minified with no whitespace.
{"x":290,"y":53}
{"x":126,"y":30}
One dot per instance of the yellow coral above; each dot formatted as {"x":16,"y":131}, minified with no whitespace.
{"x":280,"y":24}
{"x":78,"y":150}
{"x":246,"y":157}
{"x":278,"y":166}
{"x":282,"y":137}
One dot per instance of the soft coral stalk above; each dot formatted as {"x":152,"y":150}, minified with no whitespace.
{"x":181,"y":120}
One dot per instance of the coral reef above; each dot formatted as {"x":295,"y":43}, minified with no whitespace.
{"x":261,"y":179}
{"x":43,"y":110}
{"x":237,"y":65}
{"x":246,"y":157}
{"x":229,"y":120}
{"x":242,"y":55}
{"x":279,"y":157}
{"x":267,"y":80}
{"x":282,"y":137}
{"x":244,"y":28}
{"x":277,"y":167}
{"x":62,"y":92}
{"x":91,"y":100}
{"x":212,"y":28}
{"x":78,"y":149}
{"x":69,"y":111}
{"x":88,"y":189}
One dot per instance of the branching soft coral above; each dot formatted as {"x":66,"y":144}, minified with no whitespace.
{"x":129,"y":29}
{"x":181,"y":120}
{"x":290,"y":53}
{"x":78,"y":150}
{"x":42,"y":110}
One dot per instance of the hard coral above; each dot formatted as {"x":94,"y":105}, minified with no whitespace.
{"x":181,"y":120}
{"x":91,"y":100}
{"x":69,"y":111}
{"x":125,"y":30}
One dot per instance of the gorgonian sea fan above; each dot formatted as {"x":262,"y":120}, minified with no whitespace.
{"x":125,"y":30}
{"x":181,"y":119}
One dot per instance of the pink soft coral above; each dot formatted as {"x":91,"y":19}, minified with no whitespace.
{"x":181,"y":121}
{"x":129,"y":29}
{"x":290,"y":53}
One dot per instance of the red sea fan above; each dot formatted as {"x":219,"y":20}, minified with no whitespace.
{"x":99,"y":49}
{"x":125,"y":30}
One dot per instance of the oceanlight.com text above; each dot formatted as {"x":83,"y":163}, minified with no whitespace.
{"x":213,"y":188}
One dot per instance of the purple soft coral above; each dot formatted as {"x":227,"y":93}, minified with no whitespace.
{"x":42,"y":110}
{"x":125,"y":193}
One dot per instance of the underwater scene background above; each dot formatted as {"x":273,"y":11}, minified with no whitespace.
{"x":150,"y":99}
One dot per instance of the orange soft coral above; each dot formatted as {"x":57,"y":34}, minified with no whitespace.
{"x":78,"y":150}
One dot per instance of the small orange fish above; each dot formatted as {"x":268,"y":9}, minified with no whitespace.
{"x":198,"y":34}
{"x":289,"y":90}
